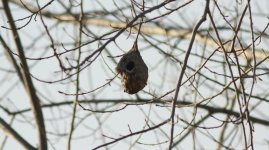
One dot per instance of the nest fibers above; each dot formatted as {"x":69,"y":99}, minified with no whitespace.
{"x":133,"y":71}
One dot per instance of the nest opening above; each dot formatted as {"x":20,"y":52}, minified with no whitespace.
{"x":130,"y":66}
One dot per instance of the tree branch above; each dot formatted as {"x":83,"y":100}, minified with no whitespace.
{"x":151,"y":30}
{"x":12,"y":133}
{"x":184,"y":66}
{"x":28,"y":84}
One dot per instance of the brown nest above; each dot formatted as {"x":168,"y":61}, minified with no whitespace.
{"x":133,"y":71}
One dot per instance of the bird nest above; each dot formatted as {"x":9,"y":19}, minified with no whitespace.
{"x":133,"y":71}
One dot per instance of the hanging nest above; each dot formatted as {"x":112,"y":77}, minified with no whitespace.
{"x":133,"y":71}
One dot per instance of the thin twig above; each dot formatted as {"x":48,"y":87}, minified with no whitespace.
{"x":182,"y":71}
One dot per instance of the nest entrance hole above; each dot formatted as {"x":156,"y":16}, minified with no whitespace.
{"x":130,"y":66}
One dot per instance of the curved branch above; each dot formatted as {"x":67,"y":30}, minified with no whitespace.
{"x":184,"y":66}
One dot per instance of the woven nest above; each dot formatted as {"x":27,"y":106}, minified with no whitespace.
{"x":133,"y":71}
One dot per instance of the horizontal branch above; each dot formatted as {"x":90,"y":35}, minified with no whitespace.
{"x":149,"y":29}
{"x":210,"y":109}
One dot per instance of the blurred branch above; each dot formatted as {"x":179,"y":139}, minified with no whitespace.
{"x":6,"y":137}
{"x":181,"y":104}
{"x":151,"y":30}
{"x":182,"y":137}
{"x":11,"y":58}
{"x":27,"y":81}
{"x":132,"y":134}
{"x":12,"y":133}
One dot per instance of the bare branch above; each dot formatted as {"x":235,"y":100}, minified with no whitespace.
{"x":12,"y":133}
{"x":29,"y":87}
